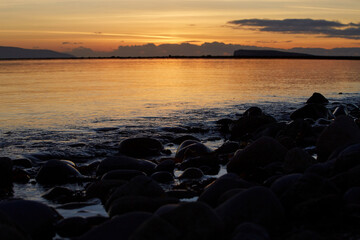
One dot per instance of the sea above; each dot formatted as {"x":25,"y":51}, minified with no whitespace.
{"x":80,"y":109}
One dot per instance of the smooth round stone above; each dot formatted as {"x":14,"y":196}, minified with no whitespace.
{"x":195,"y":220}
{"x":260,"y":153}
{"x":257,"y":204}
{"x":297,"y":160}
{"x":282,"y":184}
{"x":124,"y":162}
{"x":250,"y":231}
{"x":122,"y":174}
{"x":34,"y":218}
{"x":348,"y":158}
{"x":340,"y":110}
{"x":228,"y":147}
{"x":140,"y":147}
{"x":23,"y":162}
{"x":57,"y":172}
{"x":58,"y":194}
{"x":5,"y":172}
{"x":72,"y":227}
{"x":166,"y":165}
{"x":352,"y":196}
{"x":190,"y":149}
{"x":118,"y":227}
{"x":191,"y":173}
{"x":179,"y":140}
{"x":162,"y":177}
{"x":8,"y":232}
{"x":253,"y":112}
{"x":343,"y":131}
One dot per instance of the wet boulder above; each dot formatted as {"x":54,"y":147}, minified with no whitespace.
{"x":340,"y":110}
{"x":124,"y":162}
{"x":5,"y":172}
{"x":317,"y":98}
{"x":58,"y":194}
{"x":57,"y":172}
{"x":12,"y":233}
{"x":194,"y":220}
{"x":162,"y":177}
{"x":166,"y":165}
{"x":122,"y":174}
{"x":343,"y":131}
{"x":284,"y":183}
{"x":348,"y":158}
{"x":118,"y":227}
{"x":141,"y":147}
{"x":249,"y":122}
{"x":228,"y":147}
{"x":250,"y":231}
{"x":213,"y":192}
{"x":297,"y":160}
{"x":189,"y":149}
{"x":258,"y":205}
{"x":72,"y":227}
{"x":313,"y":111}
{"x":34,"y":218}
{"x":260,"y":153}
{"x":191,"y":173}
{"x":179,"y":140}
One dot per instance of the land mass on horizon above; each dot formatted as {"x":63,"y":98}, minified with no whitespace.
{"x":22,"y":53}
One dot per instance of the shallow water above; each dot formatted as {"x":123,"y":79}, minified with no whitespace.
{"x":81,"y":109}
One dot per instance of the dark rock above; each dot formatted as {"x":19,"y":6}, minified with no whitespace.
{"x":35,"y":218}
{"x":101,"y":189}
{"x":179,"y":140}
{"x":156,"y":228}
{"x":122,"y":174}
{"x":119,"y":227}
{"x":300,"y":131}
{"x":269,"y":130}
{"x":57,"y":172}
{"x":138,"y":186}
{"x":258,"y":205}
{"x":348,"y":158}
{"x":124,"y":162}
{"x":180,"y":194}
{"x":128,"y":204}
{"x":189,"y":149}
{"x":305,"y":235}
{"x":195,"y":220}
{"x":229,"y":194}
{"x":58,"y":194}
{"x":317,"y":98}
{"x":284,"y":183}
{"x":191,"y":173}
{"x":352,"y":196}
{"x":162,"y":177}
{"x":343,"y":131}
{"x":20,"y":176}
{"x":253,"y":112}
{"x":250,"y":231}
{"x":248,"y":124}
{"x":297,"y":160}
{"x":23,"y":162}
{"x":212,"y":192}
{"x":5,"y":173}
{"x":140,"y":147}
{"x":260,"y":153}
{"x":313,"y":111}
{"x":340,"y":110}
{"x":166,"y":165}
{"x":207,"y":160}
{"x":8,"y":232}
{"x":228,"y":147}
{"x":224,"y":125}
{"x":210,"y":170}
{"x":72,"y":227}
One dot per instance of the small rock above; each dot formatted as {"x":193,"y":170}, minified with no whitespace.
{"x":297,"y":160}
{"x":190,"y":149}
{"x":191,"y":173}
{"x":166,"y":165}
{"x":58,"y":194}
{"x":162,"y":177}
{"x":141,"y":147}
{"x":122,"y":174}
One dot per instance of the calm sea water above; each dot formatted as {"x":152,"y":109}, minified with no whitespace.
{"x":49,"y":105}
{"x":81,"y":109}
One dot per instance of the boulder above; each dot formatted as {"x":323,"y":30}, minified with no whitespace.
{"x":119,"y":227}
{"x":343,"y":131}
{"x":122,"y":174}
{"x":191,"y":173}
{"x":189,"y":149}
{"x":260,"y":153}
{"x":72,"y":227}
{"x":317,"y":98}
{"x":258,"y":205}
{"x":162,"y":177}
{"x":313,"y":111}
{"x":250,"y":231}
{"x":141,"y":147}
{"x":34,"y":218}
{"x":57,"y":172}
{"x":297,"y":160}
{"x":124,"y":162}
{"x":5,"y":172}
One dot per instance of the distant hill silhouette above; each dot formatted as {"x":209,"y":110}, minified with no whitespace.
{"x":14,"y":52}
{"x":268,"y":53}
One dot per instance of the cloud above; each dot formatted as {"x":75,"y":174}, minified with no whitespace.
{"x":301,"y":26}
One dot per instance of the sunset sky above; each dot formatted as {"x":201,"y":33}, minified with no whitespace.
{"x":104,"y":25}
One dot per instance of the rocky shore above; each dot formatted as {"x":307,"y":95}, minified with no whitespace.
{"x":294,"y":180}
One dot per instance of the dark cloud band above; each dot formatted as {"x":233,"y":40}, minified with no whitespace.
{"x":301,"y":26}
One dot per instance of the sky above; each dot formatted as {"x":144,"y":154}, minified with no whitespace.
{"x":107,"y":25}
